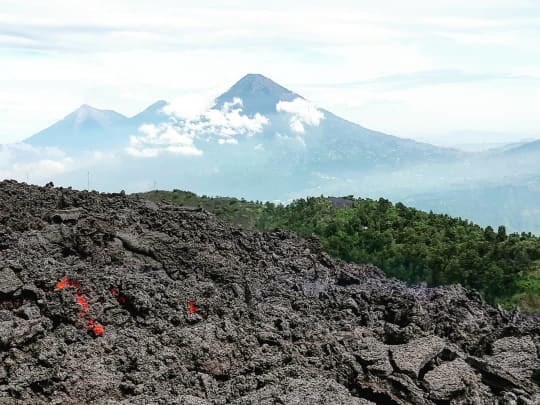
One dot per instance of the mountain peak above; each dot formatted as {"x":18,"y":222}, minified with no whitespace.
{"x":256,"y":79}
{"x":85,"y":120}
{"x":254,"y":83}
{"x":86,"y":113}
{"x":159,"y":104}
{"x":151,"y":114}
{"x":258,"y":93}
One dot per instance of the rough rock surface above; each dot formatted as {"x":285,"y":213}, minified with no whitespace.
{"x":109,"y":299}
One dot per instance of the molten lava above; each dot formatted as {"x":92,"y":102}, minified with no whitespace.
{"x":66,"y":282}
{"x":192,"y":307}
{"x":82,"y":301}
{"x":92,"y":325}
{"x":96,"y":327}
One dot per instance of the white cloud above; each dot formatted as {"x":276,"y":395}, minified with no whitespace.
{"x":229,"y":121}
{"x":189,"y":106}
{"x":184,"y":150}
{"x":482,"y":38}
{"x":38,"y":165}
{"x":27,"y":163}
{"x":143,"y":152}
{"x":230,"y":141}
{"x":296,"y":125}
{"x":158,"y":139}
{"x":178,"y":136}
{"x":303,"y":112}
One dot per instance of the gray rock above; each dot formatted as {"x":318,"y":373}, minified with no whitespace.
{"x":516,"y":355}
{"x":9,"y":282}
{"x":303,"y":391}
{"x":498,"y":378}
{"x":373,"y":354}
{"x":412,"y":357}
{"x":450,"y":380}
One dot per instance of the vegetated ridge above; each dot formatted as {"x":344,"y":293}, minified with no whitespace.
{"x":407,"y":243}
{"x":112,"y":299}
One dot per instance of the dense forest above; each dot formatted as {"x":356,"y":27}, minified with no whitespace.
{"x":409,"y":244}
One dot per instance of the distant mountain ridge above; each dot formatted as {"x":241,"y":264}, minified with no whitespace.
{"x":523,"y":148}
{"x":333,"y":144}
{"x":263,"y":141}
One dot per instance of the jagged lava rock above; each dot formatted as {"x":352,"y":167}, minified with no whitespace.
{"x":110,"y":299}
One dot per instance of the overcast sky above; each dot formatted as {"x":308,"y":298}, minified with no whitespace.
{"x":438,"y":70}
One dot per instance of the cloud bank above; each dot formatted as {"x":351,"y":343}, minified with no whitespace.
{"x":303,"y":113}
{"x":27,"y":163}
{"x":186,"y":126}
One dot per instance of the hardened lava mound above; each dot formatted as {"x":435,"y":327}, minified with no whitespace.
{"x":111,"y":299}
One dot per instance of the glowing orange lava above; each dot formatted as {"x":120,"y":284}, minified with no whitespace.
{"x":82,"y":302}
{"x":96,"y":327}
{"x":66,"y":282}
{"x":92,"y":325}
{"x":192,"y":307}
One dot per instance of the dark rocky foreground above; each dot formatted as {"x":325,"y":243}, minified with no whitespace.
{"x":109,"y":299}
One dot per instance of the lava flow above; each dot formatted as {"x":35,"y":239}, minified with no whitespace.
{"x":66,"y":282}
{"x":94,"y":326}
{"x":192,"y":307}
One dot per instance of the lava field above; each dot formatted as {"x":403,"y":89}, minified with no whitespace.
{"x":111,"y":299}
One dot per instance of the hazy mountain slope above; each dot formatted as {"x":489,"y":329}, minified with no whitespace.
{"x":516,"y":205}
{"x":524,"y":148}
{"x":151,"y":115}
{"x":84,"y":128}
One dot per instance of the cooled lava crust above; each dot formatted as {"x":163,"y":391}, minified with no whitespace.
{"x":111,"y":299}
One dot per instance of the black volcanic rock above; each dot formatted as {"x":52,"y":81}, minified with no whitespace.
{"x":110,"y":299}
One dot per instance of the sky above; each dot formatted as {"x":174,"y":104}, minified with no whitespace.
{"x":442,"y":71}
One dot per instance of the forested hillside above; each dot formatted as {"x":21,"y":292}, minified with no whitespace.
{"x":412,"y":245}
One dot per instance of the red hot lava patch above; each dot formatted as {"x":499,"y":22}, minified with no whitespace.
{"x":91,"y":323}
{"x":192,"y":308}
